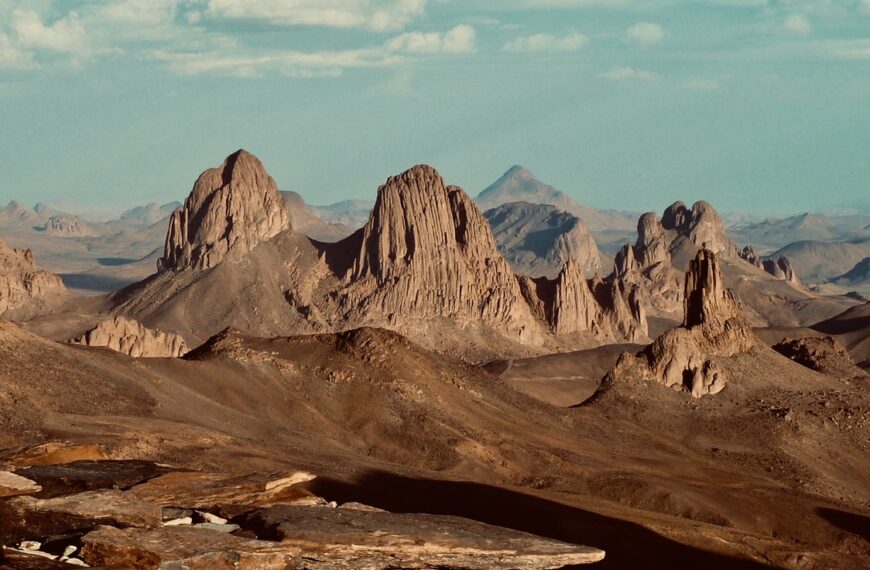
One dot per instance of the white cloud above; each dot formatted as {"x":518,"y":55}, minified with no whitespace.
{"x":378,"y":15}
{"x":798,"y":24}
{"x":547,"y":43}
{"x":645,"y":33}
{"x":65,"y":35}
{"x":461,"y":39}
{"x":11,"y":57}
{"x":627,"y":73}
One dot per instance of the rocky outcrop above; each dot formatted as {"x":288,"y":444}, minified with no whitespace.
{"x":26,"y":290}
{"x":134,"y":339}
{"x":780,"y":268}
{"x":820,"y":354}
{"x":231,"y":209}
{"x":66,"y":225}
{"x":688,"y":357}
{"x":699,"y":227}
{"x":538,"y":239}
{"x":606,"y":310}
{"x":16,"y":216}
{"x":426,"y":253}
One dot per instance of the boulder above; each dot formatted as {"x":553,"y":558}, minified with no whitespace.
{"x":12,"y":485}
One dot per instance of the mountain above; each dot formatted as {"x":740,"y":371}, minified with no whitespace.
{"x":15,"y":216}
{"x":147,"y":215}
{"x":664,"y":249}
{"x":229,"y":211}
{"x":773,"y":233}
{"x":350,"y":213}
{"x":520,"y":185}
{"x":66,"y":225}
{"x":857,"y":278}
{"x":26,"y":290}
{"x":304,"y":220}
{"x":425,"y":264}
{"x":537,"y":240}
{"x":817,"y":262}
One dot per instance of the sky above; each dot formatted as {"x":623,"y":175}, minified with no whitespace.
{"x":757,"y":106}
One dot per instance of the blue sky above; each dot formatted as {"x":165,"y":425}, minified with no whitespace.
{"x":754,"y":105}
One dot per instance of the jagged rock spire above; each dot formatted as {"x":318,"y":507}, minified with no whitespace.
{"x":230,"y":210}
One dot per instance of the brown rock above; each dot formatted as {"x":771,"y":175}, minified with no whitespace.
{"x":353,"y":538}
{"x":226,"y":493}
{"x":231,"y":209}
{"x":65,"y":225}
{"x":713,"y":328}
{"x":183,"y":547}
{"x":820,"y":354}
{"x":28,"y":518}
{"x":12,"y":485}
{"x":26,"y":290}
{"x":134,"y":339}
{"x":426,"y":253}
{"x":537,"y":239}
{"x":51,"y":453}
{"x":782,"y":269}
{"x":88,"y":475}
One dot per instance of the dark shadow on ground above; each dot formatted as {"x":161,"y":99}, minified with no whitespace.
{"x":627,"y":544}
{"x":96,"y":283}
{"x":850,"y":522}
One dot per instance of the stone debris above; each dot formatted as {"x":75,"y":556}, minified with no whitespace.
{"x":12,"y":485}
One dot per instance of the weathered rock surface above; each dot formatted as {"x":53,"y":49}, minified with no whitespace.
{"x":781,"y":268}
{"x":713,"y":327}
{"x":134,"y":339}
{"x":700,"y":227}
{"x":231,"y":209}
{"x":538,"y":239}
{"x":12,"y":485}
{"x":221,"y":492}
{"x":820,"y":354}
{"x":26,"y":290}
{"x":428,"y":253}
{"x":352,"y":538}
{"x":183,"y":547}
{"x":89,"y":475}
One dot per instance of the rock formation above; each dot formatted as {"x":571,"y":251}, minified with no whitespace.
{"x":713,"y":327}
{"x":65,"y":225}
{"x":426,"y":265}
{"x":134,"y":339}
{"x":231,"y":209}
{"x":780,"y":268}
{"x":822,"y":355}
{"x":26,"y":290}
{"x":538,"y":239}
{"x":16,"y":216}
{"x":699,"y":227}
{"x":426,"y":253}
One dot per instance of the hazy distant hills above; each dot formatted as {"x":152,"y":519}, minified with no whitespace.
{"x":772,"y":234}
{"x":611,"y":228}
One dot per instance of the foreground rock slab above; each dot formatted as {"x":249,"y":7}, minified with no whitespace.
{"x":351,"y":538}
{"x":29,"y":518}
{"x":224,"y":493}
{"x":177,"y":547}
{"x":89,"y":475}
{"x":12,"y":485}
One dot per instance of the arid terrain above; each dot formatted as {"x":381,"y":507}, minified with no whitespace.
{"x":430,"y":381}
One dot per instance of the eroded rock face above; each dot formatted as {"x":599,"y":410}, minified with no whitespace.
{"x":713,"y":327}
{"x":782,"y":268}
{"x":427,"y":252}
{"x":26,"y":290}
{"x":701,"y":227}
{"x":820,"y":354}
{"x":231,"y":209}
{"x":607,"y":310}
{"x":134,"y":339}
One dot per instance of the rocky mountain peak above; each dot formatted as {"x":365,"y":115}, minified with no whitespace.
{"x":134,"y":339}
{"x":26,"y":290}
{"x":230,"y":210}
{"x":706,"y":298}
